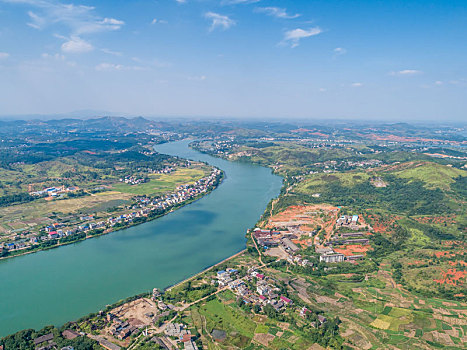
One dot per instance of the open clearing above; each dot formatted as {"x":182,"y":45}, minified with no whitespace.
{"x":163,"y":183}
{"x":41,"y":208}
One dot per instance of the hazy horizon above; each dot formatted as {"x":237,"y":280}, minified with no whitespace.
{"x":298,"y":121}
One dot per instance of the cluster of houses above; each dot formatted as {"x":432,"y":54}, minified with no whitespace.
{"x":283,"y":240}
{"x":365,"y":163}
{"x":133,"y":180}
{"x":269,"y":239}
{"x":46,"y":341}
{"x":328,"y":255}
{"x":166,"y":170}
{"x":266,"y":291}
{"x":53,"y":191}
{"x":120,"y":329}
{"x":347,"y":221}
{"x":142,"y":208}
{"x":320,"y":318}
{"x":223,"y":147}
{"x":183,"y":335}
{"x":331,"y":165}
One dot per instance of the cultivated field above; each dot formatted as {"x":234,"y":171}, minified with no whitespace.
{"x":163,"y":183}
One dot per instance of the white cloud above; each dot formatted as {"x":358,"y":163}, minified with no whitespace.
{"x":111,"y":52}
{"x":4,"y":55}
{"x":439,"y":82}
{"x":37,"y":22}
{"x":356,"y":85}
{"x":322,"y":90}
{"x":108,"y":67}
{"x":106,"y":24}
{"x":76,"y":45}
{"x":294,"y":36}
{"x":158,"y":21}
{"x":219,"y":21}
{"x":56,"y":56}
{"x":80,"y":19}
{"x":340,"y":51}
{"x":181,"y":1}
{"x":276,"y":12}
{"x":406,"y":72}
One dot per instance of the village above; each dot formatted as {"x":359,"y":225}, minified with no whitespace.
{"x":159,"y":318}
{"x":153,"y":319}
{"x":86,"y":226}
{"x":331,"y":237}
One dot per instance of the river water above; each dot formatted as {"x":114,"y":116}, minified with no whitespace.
{"x":63,"y":284}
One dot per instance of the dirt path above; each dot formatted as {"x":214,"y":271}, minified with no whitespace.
{"x":387,"y":276}
{"x":257,"y":249}
{"x":272,"y":206}
{"x":300,"y":286}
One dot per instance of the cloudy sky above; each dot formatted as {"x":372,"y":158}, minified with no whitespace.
{"x":389,"y":60}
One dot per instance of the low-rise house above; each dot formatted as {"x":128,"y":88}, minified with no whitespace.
{"x":354,"y":257}
{"x":304,"y":311}
{"x":277,"y":305}
{"x":262,"y":289}
{"x":321,"y":319}
{"x":326,"y":250}
{"x":260,"y":276}
{"x":43,"y":339}
{"x":190,"y":345}
{"x":54,"y":235}
{"x":332,"y":258}
{"x":108,"y":345}
{"x":289,"y":245}
{"x":176,"y":330}
{"x":235,"y":284}
{"x":70,"y":334}
{"x":354,"y":219}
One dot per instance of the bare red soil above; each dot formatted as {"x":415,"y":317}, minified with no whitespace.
{"x":382,"y":224}
{"x":452,"y":277}
{"x":353,"y":249}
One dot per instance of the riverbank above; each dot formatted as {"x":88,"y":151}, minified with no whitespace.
{"x":127,"y":225}
{"x":206,"y":270}
{"x":74,"y":280}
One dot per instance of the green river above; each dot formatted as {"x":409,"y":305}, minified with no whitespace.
{"x":63,"y":284}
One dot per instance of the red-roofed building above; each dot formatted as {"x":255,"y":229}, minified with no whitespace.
{"x":186,"y":337}
{"x":286,"y":300}
{"x":53,"y":234}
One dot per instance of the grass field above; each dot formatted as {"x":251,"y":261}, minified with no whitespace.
{"x":220,"y":316}
{"x":41,"y":175}
{"x":432,"y":174}
{"x":163,"y":183}
{"x":42,"y":208}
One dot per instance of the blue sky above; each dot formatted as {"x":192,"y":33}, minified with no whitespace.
{"x":386,"y":60}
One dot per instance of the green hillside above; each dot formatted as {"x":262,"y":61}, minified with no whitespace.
{"x":432,"y":174}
